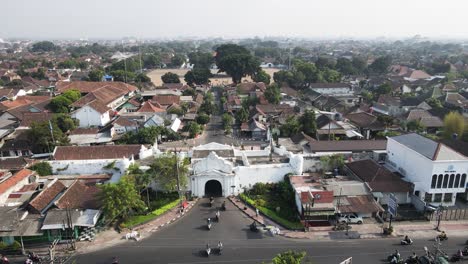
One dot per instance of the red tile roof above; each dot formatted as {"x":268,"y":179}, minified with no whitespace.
{"x":166,"y":100}
{"x":87,"y":87}
{"x":148,"y":107}
{"x":14,"y":180}
{"x":28,"y":118}
{"x":96,"y":152}
{"x":79,"y":196}
{"x":44,"y":198}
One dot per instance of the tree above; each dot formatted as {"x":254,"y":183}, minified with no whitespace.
{"x":331,"y":76}
{"x":261,"y":76}
{"x":142,"y":78}
{"x":381,"y":65}
{"x":289,"y":257}
{"x":345,"y":66}
{"x":228,"y":120}
{"x":198,"y":76}
{"x":44,"y":46}
{"x":335,"y":161}
{"x":203,"y":119}
{"x":72,"y":95}
{"x":309,"y":72}
{"x":60,"y":104}
{"x":454,"y":123}
{"x":291,"y":127}
{"x":40,"y":74}
{"x":64,"y":122}
{"x":42,"y":168}
{"x":434,"y":103}
{"x":82,"y":65}
{"x":359,"y":65}
{"x":164,"y":169}
{"x":96,"y":75}
{"x":273,"y":93}
{"x":177,"y":60}
{"x":118,"y":199}
{"x":123,"y":76}
{"x":170,"y":77}
{"x":194,"y":129}
{"x":41,"y":139}
{"x":236,"y":61}
{"x":308,"y":122}
{"x":242,"y":115}
{"x":151,"y":61}
{"x":323,"y":63}
{"x":145,"y":135}
{"x":201,"y":60}
{"x":385,"y":88}
{"x":67,"y":64}
{"x":414,"y":125}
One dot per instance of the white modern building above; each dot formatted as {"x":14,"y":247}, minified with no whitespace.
{"x":222,"y":170}
{"x":437,"y":171}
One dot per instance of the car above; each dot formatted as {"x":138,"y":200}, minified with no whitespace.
{"x":350,"y":219}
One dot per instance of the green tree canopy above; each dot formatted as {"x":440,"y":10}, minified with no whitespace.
{"x":198,"y":76}
{"x":203,"y":118}
{"x":40,"y":136}
{"x":289,"y":257}
{"x":273,"y":93}
{"x":201,"y":60}
{"x":454,"y":123}
{"x":291,"y":127}
{"x":331,"y":75}
{"x":123,"y":76}
{"x":96,"y":75}
{"x":236,"y":61}
{"x":228,"y":121}
{"x":308,"y":122}
{"x":380,"y":65}
{"x":42,"y":168}
{"x":170,"y":77}
{"x":118,"y":199}
{"x":345,"y":66}
{"x":142,"y":78}
{"x":242,"y":115}
{"x":44,"y":46}
{"x":261,"y":76}
{"x":164,"y":169}
{"x":177,"y":60}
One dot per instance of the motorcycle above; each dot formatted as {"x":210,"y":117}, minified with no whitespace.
{"x":456,"y":257}
{"x":394,"y":259}
{"x":412,"y":260}
{"x":208,"y":251}
{"x":217,"y":216}
{"x":253,"y":227}
{"x":441,"y":237}
{"x":115,"y":260}
{"x":406,"y":242}
{"x":34,"y":257}
{"x":208,"y":226}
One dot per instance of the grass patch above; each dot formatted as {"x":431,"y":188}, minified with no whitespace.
{"x":272,"y":214}
{"x":136,"y":220}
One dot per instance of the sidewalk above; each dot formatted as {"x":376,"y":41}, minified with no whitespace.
{"x":364,"y":231}
{"x":111,"y":237}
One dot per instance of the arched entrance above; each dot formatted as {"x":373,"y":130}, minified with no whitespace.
{"x":213,"y":188}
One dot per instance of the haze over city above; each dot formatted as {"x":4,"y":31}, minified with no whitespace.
{"x":230,"y":19}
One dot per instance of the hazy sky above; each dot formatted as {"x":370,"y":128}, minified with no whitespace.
{"x":232,"y":18}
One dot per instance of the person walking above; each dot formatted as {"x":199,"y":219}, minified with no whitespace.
{"x":256,"y":212}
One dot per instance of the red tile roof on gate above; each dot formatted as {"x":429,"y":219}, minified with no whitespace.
{"x":96,"y":152}
{"x":13,"y":180}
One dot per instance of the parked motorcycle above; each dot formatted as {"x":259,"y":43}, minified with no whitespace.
{"x":253,"y":227}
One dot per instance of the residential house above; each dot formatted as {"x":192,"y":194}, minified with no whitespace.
{"x":93,"y":114}
{"x":333,"y":126}
{"x":381,"y":181}
{"x":430,"y":122}
{"x":9,"y":183}
{"x":367,"y":124}
{"x":124,"y":125}
{"x":457,"y":101}
{"x":16,"y":145}
{"x":437,"y":171}
{"x":15,"y":164}
{"x":166,"y":101}
{"x":332,"y":89}
{"x":255,"y":130}
{"x":388,"y":105}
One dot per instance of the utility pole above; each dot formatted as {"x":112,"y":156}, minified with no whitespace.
{"x":177,"y":171}
{"x":125,"y":62}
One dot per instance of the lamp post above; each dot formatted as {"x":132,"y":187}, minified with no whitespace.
{"x":439,"y":216}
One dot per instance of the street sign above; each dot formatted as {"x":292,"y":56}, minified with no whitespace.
{"x":392,"y":204}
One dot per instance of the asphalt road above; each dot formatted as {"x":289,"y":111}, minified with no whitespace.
{"x":183,"y":241}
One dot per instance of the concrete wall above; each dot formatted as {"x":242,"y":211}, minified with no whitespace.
{"x":402,"y":198}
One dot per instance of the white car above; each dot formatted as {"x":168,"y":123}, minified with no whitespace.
{"x":350,"y":219}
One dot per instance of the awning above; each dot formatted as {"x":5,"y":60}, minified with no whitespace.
{"x":352,"y":133}
{"x":320,"y":213}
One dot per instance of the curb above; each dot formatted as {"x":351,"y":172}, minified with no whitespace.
{"x":173,"y":219}
{"x":243,"y":211}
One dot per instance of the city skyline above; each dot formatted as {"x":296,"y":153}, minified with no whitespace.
{"x":208,"y":18}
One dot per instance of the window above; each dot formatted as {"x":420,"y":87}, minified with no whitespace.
{"x":448,"y":197}
{"x":438,"y":197}
{"x":452,"y":178}
{"x":428,"y":197}
{"x":416,"y":193}
{"x":446,"y":178}
{"x":434,"y":181}
{"x":457,"y":181}
{"x":463,"y":181}
{"x":439,"y":181}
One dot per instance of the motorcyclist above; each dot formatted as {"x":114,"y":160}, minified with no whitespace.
{"x":208,"y":221}
{"x":208,"y":249}
{"x":220,"y":247}
{"x":396,"y":257}
{"x":217,"y":215}
{"x":223,"y":206}
{"x":407,"y":239}
{"x":4,"y":260}
{"x":443,"y":235}
{"x":115,"y":260}
{"x":28,"y":261}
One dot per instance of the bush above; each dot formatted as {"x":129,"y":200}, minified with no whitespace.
{"x":16,"y":246}
{"x":3,"y":246}
{"x":141,"y":219}
{"x":260,"y":202}
{"x":259,"y":188}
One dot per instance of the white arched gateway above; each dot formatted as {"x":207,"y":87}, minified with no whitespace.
{"x":222,"y":170}
{"x":212,"y":176}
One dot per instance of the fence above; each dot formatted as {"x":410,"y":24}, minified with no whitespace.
{"x":452,"y":214}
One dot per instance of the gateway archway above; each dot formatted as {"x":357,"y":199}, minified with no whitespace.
{"x":213,"y":188}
